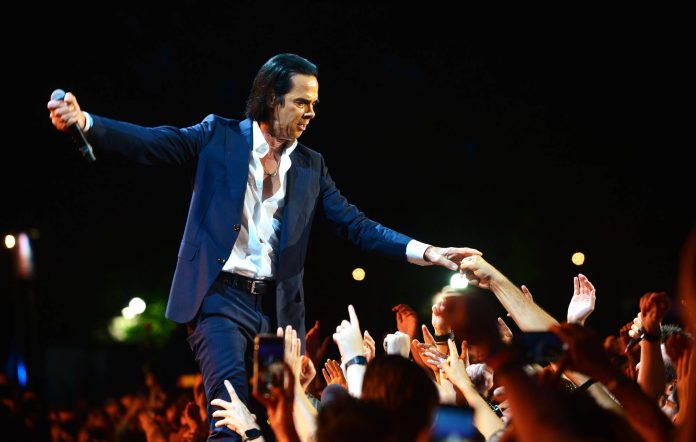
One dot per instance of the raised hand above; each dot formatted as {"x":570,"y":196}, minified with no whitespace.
{"x":406,"y":320}
{"x":653,"y":307}
{"x":448,"y":257}
{"x":307,"y":372}
{"x":348,"y":337}
{"x":397,"y":344}
{"x":453,"y":366}
{"x":333,"y":374}
{"x":292,"y":347}
{"x":418,"y":350}
{"x":582,"y":303}
{"x":233,"y":414}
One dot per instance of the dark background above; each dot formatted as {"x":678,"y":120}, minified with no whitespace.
{"x":528,"y":136}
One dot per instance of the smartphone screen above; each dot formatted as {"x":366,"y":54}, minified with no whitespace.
{"x":268,"y":363}
{"x":454,"y":424}
{"x":541,"y":347}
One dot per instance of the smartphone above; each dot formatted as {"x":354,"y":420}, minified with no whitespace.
{"x":454,"y":424}
{"x":540,"y":347}
{"x":268,"y":363}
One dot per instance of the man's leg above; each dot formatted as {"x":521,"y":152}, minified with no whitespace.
{"x":222,"y":343}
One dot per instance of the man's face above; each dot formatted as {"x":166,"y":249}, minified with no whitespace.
{"x":290,"y":120}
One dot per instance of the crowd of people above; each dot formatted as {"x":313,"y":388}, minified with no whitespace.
{"x":635,"y":385}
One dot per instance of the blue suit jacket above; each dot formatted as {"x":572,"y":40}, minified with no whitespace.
{"x":222,"y":148}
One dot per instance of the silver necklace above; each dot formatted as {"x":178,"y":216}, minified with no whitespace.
{"x":273,"y":174}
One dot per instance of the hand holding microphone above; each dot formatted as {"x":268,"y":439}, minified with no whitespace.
{"x":637,"y":334}
{"x":67,"y":117}
{"x":653,"y":307}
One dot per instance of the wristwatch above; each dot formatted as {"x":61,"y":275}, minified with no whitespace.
{"x":360,"y":360}
{"x":251,"y":434}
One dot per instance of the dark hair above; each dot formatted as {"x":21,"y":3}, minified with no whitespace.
{"x":274,"y":79}
{"x":347,"y":419}
{"x":404,"y":390}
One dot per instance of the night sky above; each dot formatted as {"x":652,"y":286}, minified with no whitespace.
{"x":526,"y":138}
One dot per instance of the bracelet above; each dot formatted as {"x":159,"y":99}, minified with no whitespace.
{"x":651,"y":337}
{"x":360,"y":360}
{"x":442,"y":339}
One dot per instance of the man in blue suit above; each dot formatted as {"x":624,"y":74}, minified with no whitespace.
{"x":256,"y":191}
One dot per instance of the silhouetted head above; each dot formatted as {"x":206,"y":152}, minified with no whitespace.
{"x":404,"y":390}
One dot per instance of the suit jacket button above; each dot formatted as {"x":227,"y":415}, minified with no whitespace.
{"x":237,"y":227}
{"x":221,"y":260}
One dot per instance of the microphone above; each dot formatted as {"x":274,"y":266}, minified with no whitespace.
{"x":78,"y":135}
{"x":642,"y":334}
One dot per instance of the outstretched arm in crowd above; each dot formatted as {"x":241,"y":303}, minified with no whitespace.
{"x":350,"y":345}
{"x":485,"y":419}
{"x":651,"y":375}
{"x":305,"y":415}
{"x":527,"y":315}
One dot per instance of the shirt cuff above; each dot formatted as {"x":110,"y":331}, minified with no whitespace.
{"x":89,"y":121}
{"x":415,"y":251}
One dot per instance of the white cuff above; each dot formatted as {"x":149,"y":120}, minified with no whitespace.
{"x":415,"y":252}
{"x":89,"y":121}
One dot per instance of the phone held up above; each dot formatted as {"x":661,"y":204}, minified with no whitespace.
{"x":268,"y":363}
{"x":540,"y":347}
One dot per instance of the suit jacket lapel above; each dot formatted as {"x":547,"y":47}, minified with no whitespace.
{"x":295,"y":197}
{"x":237,"y":157}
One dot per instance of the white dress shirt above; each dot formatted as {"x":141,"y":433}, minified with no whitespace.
{"x":254,"y":252}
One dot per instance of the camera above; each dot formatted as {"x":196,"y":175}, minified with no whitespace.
{"x":268,"y":363}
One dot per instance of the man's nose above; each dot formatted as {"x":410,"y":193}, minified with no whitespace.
{"x":309,"y":113}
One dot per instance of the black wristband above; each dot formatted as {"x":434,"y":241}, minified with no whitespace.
{"x":651,"y":337}
{"x":361,"y":360}
{"x":251,"y":434}
{"x":442,"y":339}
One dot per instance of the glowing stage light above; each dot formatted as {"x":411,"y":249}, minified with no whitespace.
{"x":10,"y":241}
{"x":137,"y":305}
{"x":459,"y":281}
{"x":128,"y":313}
{"x":358,"y":274}
{"x":578,"y":258}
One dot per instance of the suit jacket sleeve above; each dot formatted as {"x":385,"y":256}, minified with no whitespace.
{"x":348,"y":222}
{"x":150,"y":145}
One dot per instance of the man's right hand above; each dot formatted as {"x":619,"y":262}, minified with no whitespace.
{"x":64,"y":113}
